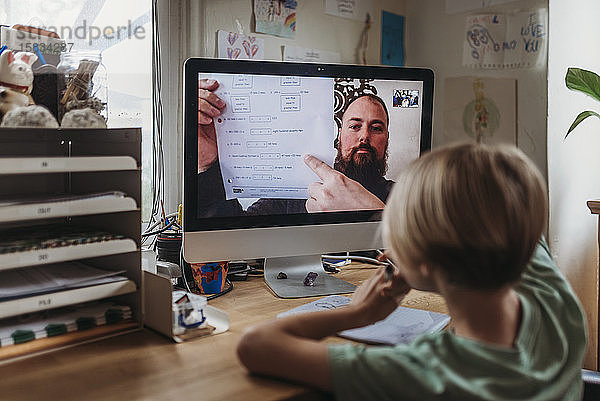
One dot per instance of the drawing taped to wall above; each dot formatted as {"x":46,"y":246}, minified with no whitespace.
{"x":483,"y":110}
{"x":276,"y":17}
{"x":233,"y":46}
{"x":506,"y":40}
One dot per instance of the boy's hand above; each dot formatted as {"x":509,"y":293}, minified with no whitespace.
{"x":209,"y":107}
{"x":376,"y":298}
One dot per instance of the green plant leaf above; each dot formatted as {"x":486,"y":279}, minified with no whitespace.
{"x":583,"y":81}
{"x":582,"y":116}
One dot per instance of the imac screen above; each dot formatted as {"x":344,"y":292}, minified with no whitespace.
{"x":246,"y":147}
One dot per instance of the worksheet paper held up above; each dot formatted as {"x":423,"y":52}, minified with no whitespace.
{"x":269,"y":123}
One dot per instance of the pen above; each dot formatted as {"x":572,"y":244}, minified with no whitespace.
{"x":389,"y":266}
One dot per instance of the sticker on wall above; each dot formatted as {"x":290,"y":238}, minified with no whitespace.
{"x":276,"y":17}
{"x":495,"y":41}
{"x":483,"y":110}
{"x":234,"y":46}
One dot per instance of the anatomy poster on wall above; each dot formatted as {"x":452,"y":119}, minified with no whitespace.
{"x":233,"y":46}
{"x":506,"y":40}
{"x":483,"y":110}
{"x":276,"y":17}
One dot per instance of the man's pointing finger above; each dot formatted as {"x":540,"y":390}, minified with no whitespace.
{"x":321,"y":169}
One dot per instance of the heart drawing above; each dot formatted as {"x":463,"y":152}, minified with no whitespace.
{"x":233,"y":54}
{"x":249,"y":49}
{"x":232,"y":37}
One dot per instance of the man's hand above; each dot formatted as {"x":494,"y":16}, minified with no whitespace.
{"x":337,"y":192}
{"x":377,"y":297}
{"x":209,"y":107}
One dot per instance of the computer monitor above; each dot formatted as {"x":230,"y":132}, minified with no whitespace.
{"x":248,"y":191}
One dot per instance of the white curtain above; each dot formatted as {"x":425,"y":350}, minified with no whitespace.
{"x":180,"y":24}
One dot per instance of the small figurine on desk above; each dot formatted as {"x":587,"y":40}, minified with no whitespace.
{"x":16,"y":72}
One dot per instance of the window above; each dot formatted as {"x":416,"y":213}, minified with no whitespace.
{"x":122,"y":32}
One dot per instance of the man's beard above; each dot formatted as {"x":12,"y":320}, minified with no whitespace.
{"x":365,"y":168}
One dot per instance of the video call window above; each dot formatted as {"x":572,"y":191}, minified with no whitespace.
{"x":367,"y":129}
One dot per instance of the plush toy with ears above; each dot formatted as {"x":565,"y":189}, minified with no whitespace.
{"x":10,"y":99}
{"x":16,"y":72}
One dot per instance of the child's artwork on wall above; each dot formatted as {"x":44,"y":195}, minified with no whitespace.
{"x":506,"y":40}
{"x":276,"y":17}
{"x":483,"y":110}
{"x":234,"y":46}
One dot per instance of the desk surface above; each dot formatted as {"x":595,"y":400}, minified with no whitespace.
{"x":147,"y":366}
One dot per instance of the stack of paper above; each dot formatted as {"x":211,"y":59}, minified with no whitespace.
{"x":19,"y":283}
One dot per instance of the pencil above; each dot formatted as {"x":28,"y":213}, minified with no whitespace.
{"x":389,"y":272}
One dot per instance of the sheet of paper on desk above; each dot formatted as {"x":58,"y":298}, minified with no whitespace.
{"x":269,"y":123}
{"x":400,"y":327}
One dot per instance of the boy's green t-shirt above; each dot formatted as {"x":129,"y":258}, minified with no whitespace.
{"x":544,"y":364}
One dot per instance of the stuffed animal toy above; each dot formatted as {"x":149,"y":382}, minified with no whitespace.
{"x":10,"y":99}
{"x":30,"y":117}
{"x":16,"y":72}
{"x":83,"y":118}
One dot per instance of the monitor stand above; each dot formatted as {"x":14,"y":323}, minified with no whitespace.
{"x":296,"y":269}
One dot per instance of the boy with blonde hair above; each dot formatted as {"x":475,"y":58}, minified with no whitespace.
{"x":466,"y":222}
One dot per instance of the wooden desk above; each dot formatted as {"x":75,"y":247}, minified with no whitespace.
{"x":147,"y":366}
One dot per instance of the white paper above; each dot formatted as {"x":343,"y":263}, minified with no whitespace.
{"x":233,"y":46}
{"x":352,"y":9}
{"x":459,"y":6}
{"x":269,"y":123}
{"x":506,"y":41}
{"x":401,"y":326}
{"x":306,"y":55}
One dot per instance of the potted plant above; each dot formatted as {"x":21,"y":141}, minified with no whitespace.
{"x":587,"y":82}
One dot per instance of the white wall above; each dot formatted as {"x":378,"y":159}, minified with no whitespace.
{"x":435,"y":40}
{"x":314,"y":28}
{"x":573,"y":164}
{"x":188,"y":29}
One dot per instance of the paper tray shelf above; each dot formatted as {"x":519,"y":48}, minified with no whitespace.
{"x":63,"y":254}
{"x":40,"y":165}
{"x":78,"y":207}
{"x":38,"y":303}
